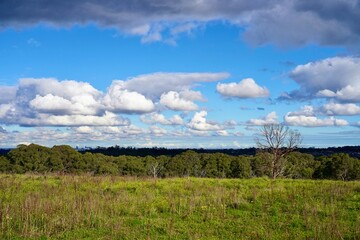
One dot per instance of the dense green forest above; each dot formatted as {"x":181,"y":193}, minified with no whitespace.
{"x":64,"y":159}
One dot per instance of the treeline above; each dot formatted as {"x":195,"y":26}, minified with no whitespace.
{"x":158,"y":151}
{"x":353,"y":151}
{"x":65,"y":159}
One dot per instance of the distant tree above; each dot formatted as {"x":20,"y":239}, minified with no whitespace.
{"x":300,"y":165}
{"x":261,"y":164}
{"x":31,"y":158}
{"x":134,"y":166}
{"x":5,"y":165}
{"x":240,"y":167}
{"x":279,"y":141}
{"x":209,"y":162}
{"x":72,"y":160}
{"x":183,"y":165}
{"x":339,"y":166}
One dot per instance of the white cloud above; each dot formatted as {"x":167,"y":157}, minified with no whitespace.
{"x":7,"y":94}
{"x":140,"y":30}
{"x":48,"y":95}
{"x":306,"y":117}
{"x":153,"y":118}
{"x":174,"y":101}
{"x":192,"y":95}
{"x":48,"y":101}
{"x":348,"y":93}
{"x":341,"y":109}
{"x":200,"y":133}
{"x":82,"y":104}
{"x":157,"y":131}
{"x":132,"y":130}
{"x":155,"y":84}
{"x":176,"y":120}
{"x":306,"y":110}
{"x":66,"y":89}
{"x":246,"y":88}
{"x":4,"y":108}
{"x":313,"y":121}
{"x":84,"y":130}
{"x":199,"y":123}
{"x":271,"y":118}
{"x":337,"y":77}
{"x":119,"y":99}
{"x":108,"y":119}
{"x":222,"y":133}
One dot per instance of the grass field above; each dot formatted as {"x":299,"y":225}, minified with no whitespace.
{"x":87,"y":207}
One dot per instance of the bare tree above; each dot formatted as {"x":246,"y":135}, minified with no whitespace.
{"x":154,"y":168}
{"x":279,"y":140}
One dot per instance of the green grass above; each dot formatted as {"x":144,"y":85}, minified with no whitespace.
{"x":87,"y":207}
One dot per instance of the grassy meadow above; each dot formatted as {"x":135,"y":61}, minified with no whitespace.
{"x":107,"y":207}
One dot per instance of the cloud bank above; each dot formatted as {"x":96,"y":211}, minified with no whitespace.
{"x":282,"y":22}
{"x":335,"y":78}
{"x":50,"y":102}
{"x":306,"y":117}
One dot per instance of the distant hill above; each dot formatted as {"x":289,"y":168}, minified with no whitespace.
{"x":4,"y":151}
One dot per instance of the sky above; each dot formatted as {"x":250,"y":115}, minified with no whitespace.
{"x":178,"y":74}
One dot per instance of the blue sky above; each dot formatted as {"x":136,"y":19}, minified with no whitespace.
{"x":178,"y":73}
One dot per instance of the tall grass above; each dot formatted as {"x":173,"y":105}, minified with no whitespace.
{"x":78,"y":207}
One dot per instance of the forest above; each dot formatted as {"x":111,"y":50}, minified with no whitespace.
{"x":64,"y":159}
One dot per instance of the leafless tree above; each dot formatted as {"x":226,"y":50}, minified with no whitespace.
{"x":154,"y":168}
{"x":279,"y":140}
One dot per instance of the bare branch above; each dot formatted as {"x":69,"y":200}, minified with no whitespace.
{"x":278,"y":140}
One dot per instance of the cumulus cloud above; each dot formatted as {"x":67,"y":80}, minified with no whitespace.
{"x":313,"y":121}
{"x":246,"y":88}
{"x":271,"y":118}
{"x":192,"y":95}
{"x":132,"y":130}
{"x":306,"y":117}
{"x":154,"y":118}
{"x":7,"y":93}
{"x":348,"y":93}
{"x":157,"y":131}
{"x":82,"y":104}
{"x":48,"y":95}
{"x":155,"y":84}
{"x":265,"y":21}
{"x":108,"y":119}
{"x":200,"y":123}
{"x":306,"y":110}
{"x":48,"y":101}
{"x":341,"y":109}
{"x":337,"y":78}
{"x":222,"y":133}
{"x":119,"y":99}
{"x":174,"y":101}
{"x":66,"y":89}
{"x":4,"y":109}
